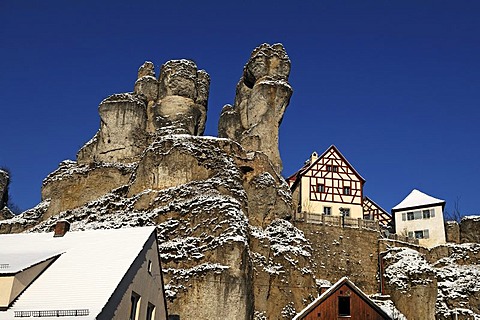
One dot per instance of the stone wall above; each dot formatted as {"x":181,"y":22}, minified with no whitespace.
{"x":340,"y":252}
{"x":467,"y":231}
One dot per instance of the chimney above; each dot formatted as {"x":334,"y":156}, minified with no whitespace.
{"x":61,"y":227}
{"x":324,"y":288}
{"x":313,"y":157}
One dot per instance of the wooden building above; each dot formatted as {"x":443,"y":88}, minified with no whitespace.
{"x":328,"y":184}
{"x":343,"y":300}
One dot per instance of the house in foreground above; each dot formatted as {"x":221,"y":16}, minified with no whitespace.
{"x":96,"y":274}
{"x":329,"y":185}
{"x":343,"y":300}
{"x":420,"y":216}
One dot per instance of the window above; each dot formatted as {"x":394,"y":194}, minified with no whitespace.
{"x":134,"y":306}
{"x":419,"y":214}
{"x":332,"y":168}
{"x":320,"y":188}
{"x":149,"y":267}
{"x":410,"y":216}
{"x":345,"y":212}
{"x":343,"y":306}
{"x":346,"y":190}
{"x":419,"y":234}
{"x":150,"y":311}
{"x":327,"y":211}
{"x":428,"y":213}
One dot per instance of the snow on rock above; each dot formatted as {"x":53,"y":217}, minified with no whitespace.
{"x":406,"y":267}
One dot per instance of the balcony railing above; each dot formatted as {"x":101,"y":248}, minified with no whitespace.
{"x":339,"y":221}
{"x":51,"y":313}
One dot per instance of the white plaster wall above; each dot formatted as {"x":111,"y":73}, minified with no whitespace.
{"x":435,"y":226}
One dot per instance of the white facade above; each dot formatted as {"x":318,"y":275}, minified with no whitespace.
{"x":420,"y":216}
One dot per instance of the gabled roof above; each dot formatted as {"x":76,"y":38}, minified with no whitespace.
{"x":13,"y":263}
{"x":334,"y":288}
{"x":377,"y":205}
{"x":295,"y":177}
{"x":90,"y":266}
{"x":417,"y":198}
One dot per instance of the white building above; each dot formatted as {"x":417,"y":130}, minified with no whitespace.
{"x":96,"y":274}
{"x":420,"y":216}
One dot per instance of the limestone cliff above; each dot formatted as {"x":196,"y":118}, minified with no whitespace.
{"x":5,"y":212}
{"x":220,"y":205}
{"x":221,"y":208}
{"x":263,"y":93}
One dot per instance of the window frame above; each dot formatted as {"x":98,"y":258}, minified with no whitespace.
{"x":150,"y":315}
{"x":329,"y":210}
{"x":347,"y":190}
{"x":135,"y":299}
{"x":343,"y":305}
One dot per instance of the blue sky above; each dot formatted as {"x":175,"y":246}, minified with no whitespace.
{"x":393,"y":84}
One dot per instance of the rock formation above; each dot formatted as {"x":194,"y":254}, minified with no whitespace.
{"x":175,"y":103}
{"x":262,"y":95}
{"x":221,"y":211}
{"x":220,"y":206}
{"x":5,"y":212}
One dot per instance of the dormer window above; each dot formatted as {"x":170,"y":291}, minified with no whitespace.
{"x":332,"y":168}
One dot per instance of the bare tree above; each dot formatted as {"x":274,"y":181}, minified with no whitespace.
{"x":455,"y":214}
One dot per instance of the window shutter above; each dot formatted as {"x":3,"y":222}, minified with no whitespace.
{"x":425,"y":234}
{"x":404,"y":216}
{"x":432,"y":213}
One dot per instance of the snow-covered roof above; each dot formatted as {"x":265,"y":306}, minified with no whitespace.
{"x":12,"y":263}
{"x":85,"y":275}
{"x":417,"y":198}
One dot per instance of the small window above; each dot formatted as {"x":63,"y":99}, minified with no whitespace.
{"x":343,"y":306}
{"x":320,"y":188}
{"x":149,"y":266}
{"x":410,"y":234}
{"x":410,"y":216}
{"x":134,"y":306}
{"x":150,"y":311}
{"x":345,"y":212}
{"x":419,"y":234}
{"x":404,"y":216}
{"x":334,"y":168}
{"x":347,"y":191}
{"x":327,"y":211}
{"x":329,"y":168}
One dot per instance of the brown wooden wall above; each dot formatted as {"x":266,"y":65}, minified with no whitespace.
{"x":328,"y":309}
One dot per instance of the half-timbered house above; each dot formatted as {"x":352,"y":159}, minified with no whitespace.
{"x":328,"y":184}
{"x":344,"y":300}
{"x":372,"y":211}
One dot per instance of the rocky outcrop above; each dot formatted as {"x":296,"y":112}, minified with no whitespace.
{"x":470,"y":229}
{"x":5,"y":212}
{"x":175,"y":103}
{"x":263,"y":93}
{"x":4,"y":181}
